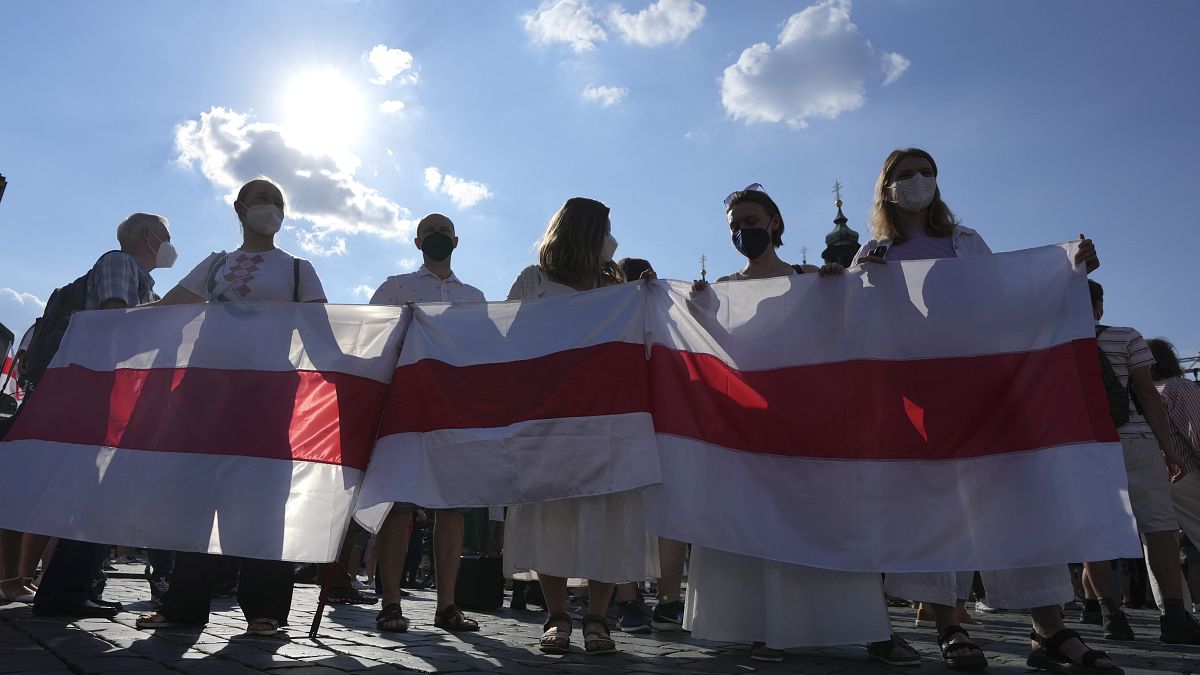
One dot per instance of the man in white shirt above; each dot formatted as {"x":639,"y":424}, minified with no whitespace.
{"x":432,"y":282}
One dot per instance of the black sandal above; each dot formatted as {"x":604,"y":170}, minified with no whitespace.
{"x":556,"y":640}
{"x":594,"y":641}
{"x":1048,"y":657}
{"x":972,"y":661}
{"x":452,"y":619}
{"x":388,"y":614}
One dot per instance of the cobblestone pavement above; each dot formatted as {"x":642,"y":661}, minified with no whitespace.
{"x":508,"y":643}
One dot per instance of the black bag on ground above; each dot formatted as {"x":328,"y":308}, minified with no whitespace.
{"x":480,"y":583}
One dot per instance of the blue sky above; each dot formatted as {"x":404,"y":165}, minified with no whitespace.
{"x":1047,"y":119}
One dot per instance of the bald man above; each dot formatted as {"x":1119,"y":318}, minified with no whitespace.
{"x":434,"y":281}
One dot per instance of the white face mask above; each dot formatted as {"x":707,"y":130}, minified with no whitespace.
{"x":914,"y":194}
{"x":166,"y":254}
{"x":264,"y":218}
{"x":608,"y":249}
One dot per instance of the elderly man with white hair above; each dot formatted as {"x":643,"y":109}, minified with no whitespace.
{"x":119,"y":279}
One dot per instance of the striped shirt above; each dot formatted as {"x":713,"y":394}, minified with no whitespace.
{"x":1126,"y":351}
{"x":1181,"y":398}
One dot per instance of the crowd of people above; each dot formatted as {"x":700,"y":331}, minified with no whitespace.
{"x":770,"y":605}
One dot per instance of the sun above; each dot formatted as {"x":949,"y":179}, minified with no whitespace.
{"x":323,"y":112}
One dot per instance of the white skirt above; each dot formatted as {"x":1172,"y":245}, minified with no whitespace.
{"x":737,"y":598}
{"x":600,"y":538}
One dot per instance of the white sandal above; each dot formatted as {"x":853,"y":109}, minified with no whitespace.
{"x":26,"y":596}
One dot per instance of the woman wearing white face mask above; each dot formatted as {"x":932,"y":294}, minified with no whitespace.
{"x":911,"y":222}
{"x":586,"y":537}
{"x":256,"y":272}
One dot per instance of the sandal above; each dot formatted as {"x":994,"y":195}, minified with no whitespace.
{"x":452,"y":619}
{"x":974,"y":659}
{"x":1047,"y":656}
{"x":267,"y":627}
{"x":895,"y":652}
{"x":24,"y":593}
{"x":759,"y":651}
{"x":556,"y":640}
{"x":155,"y":621}
{"x":391,"y":613}
{"x":596,"y":642}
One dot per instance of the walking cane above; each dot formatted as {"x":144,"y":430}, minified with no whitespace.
{"x":326,"y":583}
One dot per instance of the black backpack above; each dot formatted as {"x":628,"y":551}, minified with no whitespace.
{"x":48,"y":330}
{"x":1118,"y":394}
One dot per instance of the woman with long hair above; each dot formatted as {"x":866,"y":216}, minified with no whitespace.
{"x":910,"y":221}
{"x":587,"y":537}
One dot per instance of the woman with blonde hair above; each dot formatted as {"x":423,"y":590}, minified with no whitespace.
{"x":586,"y":537}
{"x":910,"y":221}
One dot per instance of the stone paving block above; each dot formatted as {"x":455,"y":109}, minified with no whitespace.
{"x":30,"y":663}
{"x":111,"y":664}
{"x":210,"y":666}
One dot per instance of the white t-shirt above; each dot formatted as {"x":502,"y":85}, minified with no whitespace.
{"x":255,"y":277}
{"x":424,"y":286}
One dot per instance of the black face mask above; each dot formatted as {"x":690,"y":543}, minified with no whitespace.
{"x":437,"y":246}
{"x":751,"y":242}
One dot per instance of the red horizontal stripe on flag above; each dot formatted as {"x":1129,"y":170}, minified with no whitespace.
{"x":606,"y":379}
{"x":300,"y":415}
{"x":948,"y":408}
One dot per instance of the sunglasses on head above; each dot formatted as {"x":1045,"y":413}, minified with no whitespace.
{"x":753,"y":187}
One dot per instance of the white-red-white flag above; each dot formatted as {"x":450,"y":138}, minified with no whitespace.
{"x":922,"y":416}
{"x":514,"y":402}
{"x":227,"y":428}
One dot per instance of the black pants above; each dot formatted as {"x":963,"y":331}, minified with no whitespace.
{"x":264,"y":589}
{"x":71,"y":573}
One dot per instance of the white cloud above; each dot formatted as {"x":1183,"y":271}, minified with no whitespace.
{"x":391,"y":107}
{"x":894,"y":65}
{"x":818,"y":69}
{"x":433,"y":178}
{"x":662,"y":22}
{"x":568,"y":21}
{"x":408,"y":264}
{"x":605,"y":96}
{"x":464,"y":193}
{"x":391,"y":63}
{"x":27,"y":300}
{"x":322,"y":190}
{"x":364,"y":291}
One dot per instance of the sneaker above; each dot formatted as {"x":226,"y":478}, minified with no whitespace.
{"x":1179,"y":630}
{"x":667,"y":616}
{"x":1091,"y":615}
{"x":577,"y":609}
{"x":981,"y":606}
{"x":158,"y":587}
{"x":348,"y":595}
{"x":759,"y":651}
{"x":1196,"y":608}
{"x":632,"y":618}
{"x":1116,"y":627}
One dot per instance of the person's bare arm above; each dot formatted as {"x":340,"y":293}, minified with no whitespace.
{"x":179,"y":296}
